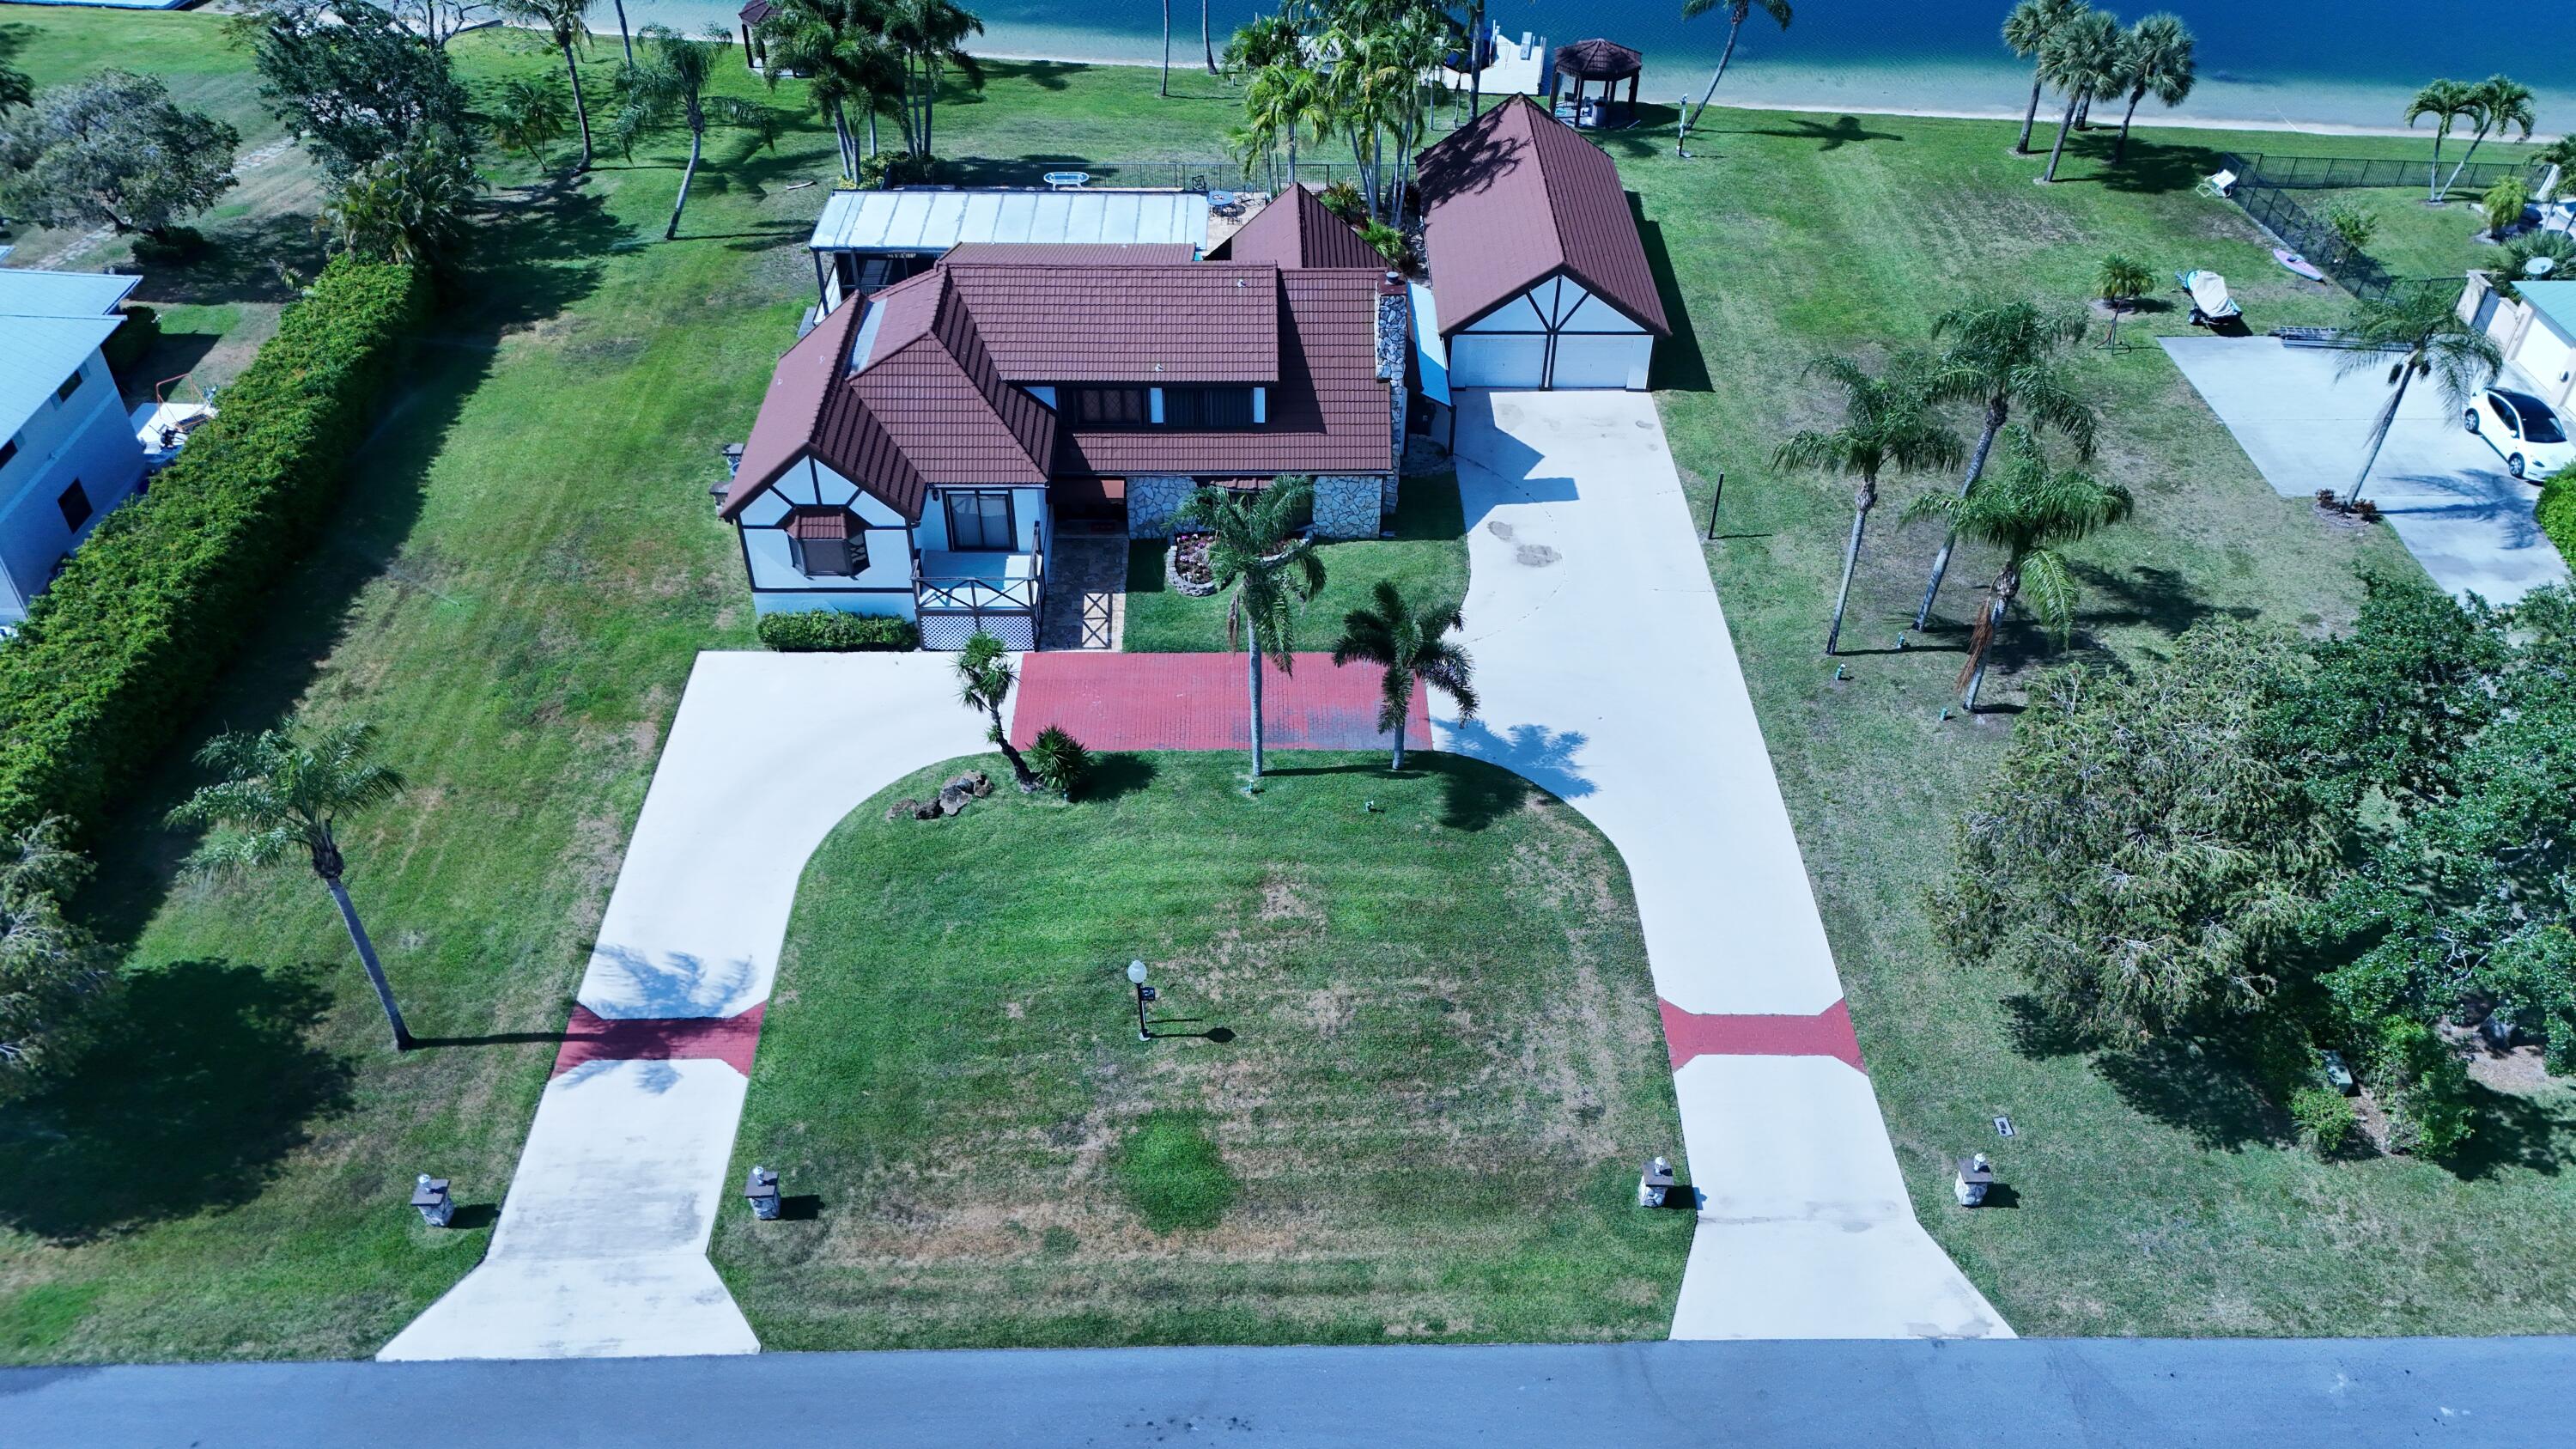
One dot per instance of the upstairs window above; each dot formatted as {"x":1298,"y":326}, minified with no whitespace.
{"x":980,"y":522}
{"x":1107,"y":407}
{"x":70,"y":385}
{"x":1207,"y":407}
{"x":8,"y":450}
{"x":826,"y":542}
{"x":74,"y":503}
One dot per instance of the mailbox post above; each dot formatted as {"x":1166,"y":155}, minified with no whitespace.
{"x":1144,"y":994}
{"x":429,"y":1194}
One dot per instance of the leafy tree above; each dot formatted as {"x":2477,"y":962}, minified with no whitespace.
{"x":2003,"y":357}
{"x":52,"y":972}
{"x":2082,"y":59}
{"x":2141,"y":856}
{"x":984,"y":679}
{"x":1887,"y":423}
{"x":530,"y":118}
{"x":1257,"y":552}
{"x":2155,"y":60}
{"x":565,"y":22}
{"x":1736,"y":12}
{"x":112,"y":150}
{"x":2497,"y":103}
{"x":414,"y":207}
{"x":840,"y":47}
{"x":2394,"y":699}
{"x":671,"y":86}
{"x":440,"y":21}
{"x":2355,"y":227}
{"x":929,"y":40}
{"x":352,"y":81}
{"x":2448,"y":102}
{"x":2027,"y":31}
{"x":2119,"y":282}
{"x":2029,"y":513}
{"x":15,"y":89}
{"x":2503,"y":204}
{"x":2432,"y":340}
{"x":1412,"y":646}
{"x":286,"y":791}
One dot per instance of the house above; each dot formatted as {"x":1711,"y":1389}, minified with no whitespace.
{"x":866,"y":240}
{"x":1539,"y":278}
{"x":919,"y":449}
{"x":2536,"y":334}
{"x":67,"y":453}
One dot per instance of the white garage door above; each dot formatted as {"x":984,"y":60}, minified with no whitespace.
{"x":1516,"y":362}
{"x":1600,"y":361}
{"x":1555,"y":335}
{"x":2546,"y":357}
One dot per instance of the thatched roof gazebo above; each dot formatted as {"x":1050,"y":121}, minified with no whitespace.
{"x":1596,"y":60}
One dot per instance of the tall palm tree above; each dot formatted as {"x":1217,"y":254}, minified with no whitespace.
{"x":1207,"y":39}
{"x":2082,"y":57}
{"x":2501,"y":102}
{"x":1256,"y":551}
{"x":839,"y":47}
{"x":1282,"y":104}
{"x":565,"y":23}
{"x":2029,"y":511}
{"x":2003,"y":357}
{"x":625,"y":37}
{"x":2431,"y":339}
{"x":984,"y":679}
{"x":1887,"y":423}
{"x":2156,"y":60}
{"x":1737,"y":12}
{"x":2027,"y":30}
{"x":2447,"y":102}
{"x":287,"y":790}
{"x":1166,"y":87}
{"x":930,"y":38}
{"x":672,"y":84}
{"x":1410,"y":645}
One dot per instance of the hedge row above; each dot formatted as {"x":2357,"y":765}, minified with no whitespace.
{"x":821,"y":631}
{"x":115,"y":657}
{"x":2558,"y":514}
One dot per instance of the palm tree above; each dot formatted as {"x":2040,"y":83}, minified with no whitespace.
{"x":1887,"y":423}
{"x":2155,"y":59}
{"x":1282,"y":103}
{"x":2446,"y":101}
{"x":1737,"y":12}
{"x":2029,"y":512}
{"x":1207,"y":39}
{"x":2027,"y":30}
{"x":2432,"y":340}
{"x":2001,"y":357}
{"x":285,"y":790}
{"x":625,"y":37}
{"x":2501,"y":101}
{"x":929,"y":36}
{"x":672,"y":84}
{"x":2119,"y":282}
{"x":1166,"y":88}
{"x":984,"y":680}
{"x":530,"y":118}
{"x":564,"y":24}
{"x":409,"y":207}
{"x":839,"y":47}
{"x":1409,"y":645}
{"x":1257,"y":552}
{"x":2082,"y":57}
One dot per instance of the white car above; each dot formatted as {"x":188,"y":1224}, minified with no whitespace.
{"x":2530,"y":438}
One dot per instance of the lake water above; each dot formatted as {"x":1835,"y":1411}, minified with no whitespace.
{"x":2352,"y":63}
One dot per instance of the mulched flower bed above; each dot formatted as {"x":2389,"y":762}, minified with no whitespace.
{"x":1186,"y":563}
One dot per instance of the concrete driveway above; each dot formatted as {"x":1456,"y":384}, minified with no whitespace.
{"x":1609,"y":677}
{"x":2466,"y":520}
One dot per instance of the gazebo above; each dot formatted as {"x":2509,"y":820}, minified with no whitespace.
{"x":1587,"y":61}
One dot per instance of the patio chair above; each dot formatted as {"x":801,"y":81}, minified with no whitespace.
{"x":2210,"y":304}
{"x":2216,"y":187}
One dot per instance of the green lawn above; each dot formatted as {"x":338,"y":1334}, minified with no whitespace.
{"x":1427,"y":559}
{"x":2414,"y":240}
{"x":2154,"y":1196}
{"x":1435,"y":1064}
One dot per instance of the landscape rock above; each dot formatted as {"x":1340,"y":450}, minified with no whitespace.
{"x":952,"y":799}
{"x":973,"y":782}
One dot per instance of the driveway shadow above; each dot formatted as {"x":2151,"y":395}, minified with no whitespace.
{"x":1536,"y":754}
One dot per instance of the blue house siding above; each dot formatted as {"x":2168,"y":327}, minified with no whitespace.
{"x":82,"y":439}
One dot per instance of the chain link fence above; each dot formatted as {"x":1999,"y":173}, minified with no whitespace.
{"x":2328,"y":173}
{"x":2270,"y":204}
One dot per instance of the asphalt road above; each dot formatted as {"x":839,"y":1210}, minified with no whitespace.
{"x":2343,"y":1393}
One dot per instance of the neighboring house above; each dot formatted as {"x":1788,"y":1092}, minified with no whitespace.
{"x":67,"y":452}
{"x":866,"y":240}
{"x":2536,"y":334}
{"x":917,"y":452}
{"x":1538,"y":275}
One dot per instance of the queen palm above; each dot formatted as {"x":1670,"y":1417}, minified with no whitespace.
{"x":2119,"y":282}
{"x":2003,"y":357}
{"x":2029,"y":511}
{"x":1887,"y":423}
{"x":1737,"y":12}
{"x":2502,"y":102}
{"x":839,"y":47}
{"x":2447,"y":102}
{"x":2027,"y":30}
{"x":672,"y":84}
{"x":2431,"y":340}
{"x":1256,"y":551}
{"x":1283,"y":103}
{"x":563,"y":22}
{"x":285,"y":791}
{"x":2155,"y":60}
{"x":2081,"y":58}
{"x":1412,"y":646}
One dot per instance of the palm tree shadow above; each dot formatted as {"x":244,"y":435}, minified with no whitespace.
{"x":1844,"y":131}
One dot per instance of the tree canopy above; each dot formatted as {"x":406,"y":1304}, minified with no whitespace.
{"x":111,"y":149}
{"x":352,"y":80}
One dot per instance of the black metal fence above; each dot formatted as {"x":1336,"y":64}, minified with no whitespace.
{"x":1222,"y":173}
{"x":2303,"y":231}
{"x":2325,"y":173}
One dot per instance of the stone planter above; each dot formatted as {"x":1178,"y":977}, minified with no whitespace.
{"x":1185,"y":565}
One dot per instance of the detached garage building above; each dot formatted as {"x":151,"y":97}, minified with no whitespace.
{"x":1538,"y":277}
{"x":2536,"y":334}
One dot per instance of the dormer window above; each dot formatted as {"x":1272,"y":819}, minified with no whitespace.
{"x":826,"y":541}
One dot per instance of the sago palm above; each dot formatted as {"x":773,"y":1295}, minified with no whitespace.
{"x":1256,"y":551}
{"x":1412,"y":646}
{"x":1887,"y":423}
{"x":2029,"y":511}
{"x":2027,"y":30}
{"x":2003,"y":359}
{"x":284,"y":792}
{"x":2155,"y":60}
{"x":984,"y":679}
{"x":2431,"y":340}
{"x":2119,"y":282}
{"x":1736,"y":12}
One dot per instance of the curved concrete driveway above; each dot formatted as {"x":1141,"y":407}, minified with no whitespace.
{"x":601,"y":1247}
{"x":1608,"y":676}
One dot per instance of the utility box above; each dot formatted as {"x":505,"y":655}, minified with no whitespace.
{"x":429,"y":1194}
{"x":1975,"y":1176}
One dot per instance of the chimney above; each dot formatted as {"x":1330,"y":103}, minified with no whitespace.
{"x":1394,"y":320}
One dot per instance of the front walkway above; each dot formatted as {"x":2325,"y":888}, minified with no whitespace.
{"x":1086,"y":592}
{"x":1609,"y":677}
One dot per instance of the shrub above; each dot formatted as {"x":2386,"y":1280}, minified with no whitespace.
{"x":2424,"y":1087}
{"x":2326,"y":1120}
{"x":1171,"y":1173}
{"x":2503,"y":204}
{"x":1344,"y":200}
{"x":896,"y":168}
{"x":2558,"y":513}
{"x":1060,"y":760}
{"x":822,"y":631}
{"x":1388,"y":242}
{"x":114,"y":658}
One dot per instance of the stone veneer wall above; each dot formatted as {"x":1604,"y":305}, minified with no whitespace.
{"x":1346,"y":505}
{"x":1394,"y":335}
{"x":1152,"y":499}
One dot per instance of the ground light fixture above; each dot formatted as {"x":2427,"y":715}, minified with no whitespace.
{"x":1144,"y":994}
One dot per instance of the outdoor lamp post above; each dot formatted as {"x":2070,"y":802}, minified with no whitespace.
{"x":429,"y":1194}
{"x":1144,"y":994}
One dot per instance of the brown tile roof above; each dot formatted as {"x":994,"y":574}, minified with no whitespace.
{"x":1514,"y":196}
{"x":930,"y":381}
{"x":1072,"y":254}
{"x":1187,"y":322}
{"x":1298,"y":230}
{"x":793,"y":413}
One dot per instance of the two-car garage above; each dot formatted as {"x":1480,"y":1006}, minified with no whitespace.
{"x":1556,"y":334}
